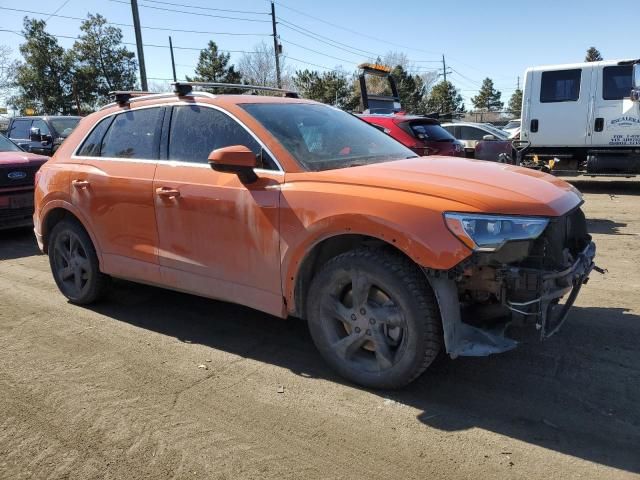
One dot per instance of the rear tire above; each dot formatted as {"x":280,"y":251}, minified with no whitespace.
{"x":74,"y":263}
{"x":374,"y":318}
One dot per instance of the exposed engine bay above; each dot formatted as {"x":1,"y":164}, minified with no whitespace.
{"x":524,"y":282}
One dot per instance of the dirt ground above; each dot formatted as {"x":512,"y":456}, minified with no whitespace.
{"x":118,"y":391}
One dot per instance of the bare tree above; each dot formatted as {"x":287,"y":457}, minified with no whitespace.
{"x":160,"y":86}
{"x":6,"y":69}
{"x":259,"y":67}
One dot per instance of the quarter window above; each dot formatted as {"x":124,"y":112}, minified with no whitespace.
{"x":616,"y":82}
{"x":560,"y":86}
{"x":196,"y":131}
{"x":134,"y":134}
{"x":92,"y":145}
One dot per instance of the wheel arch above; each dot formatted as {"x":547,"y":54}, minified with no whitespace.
{"x":53,"y":214}
{"x":322,"y":251}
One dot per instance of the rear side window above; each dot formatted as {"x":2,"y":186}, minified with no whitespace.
{"x":616,"y":82}
{"x":93,"y":144}
{"x":196,"y":131}
{"x":20,"y":129}
{"x":471,"y":133}
{"x":134,"y":134}
{"x":560,"y":86}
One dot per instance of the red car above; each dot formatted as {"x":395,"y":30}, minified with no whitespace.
{"x":383,"y":110}
{"x":17,"y":175}
{"x":423,"y":135}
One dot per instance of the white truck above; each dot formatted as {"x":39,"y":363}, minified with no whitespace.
{"x":585,"y":114}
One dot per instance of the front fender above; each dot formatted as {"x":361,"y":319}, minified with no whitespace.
{"x":309,"y":218}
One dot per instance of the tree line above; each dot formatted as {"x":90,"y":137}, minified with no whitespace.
{"x":53,"y":80}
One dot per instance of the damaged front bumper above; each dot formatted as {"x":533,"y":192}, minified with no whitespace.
{"x":528,"y":295}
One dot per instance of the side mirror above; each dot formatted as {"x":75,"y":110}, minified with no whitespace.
{"x":488,"y":138}
{"x":236,"y":159}
{"x":35,"y":135}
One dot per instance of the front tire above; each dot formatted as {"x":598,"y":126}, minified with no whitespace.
{"x":374,"y":318}
{"x":74,"y":263}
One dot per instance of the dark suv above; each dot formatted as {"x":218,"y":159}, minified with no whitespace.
{"x":41,"y":134}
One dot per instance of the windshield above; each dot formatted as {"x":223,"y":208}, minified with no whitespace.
{"x":64,"y":125}
{"x":430,"y":132}
{"x":512,"y":124}
{"x":320,"y":137}
{"x":7,"y":145}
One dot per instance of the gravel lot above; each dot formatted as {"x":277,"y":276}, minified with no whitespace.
{"x":119,"y":390}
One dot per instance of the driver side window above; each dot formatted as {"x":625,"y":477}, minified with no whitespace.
{"x":195,"y":131}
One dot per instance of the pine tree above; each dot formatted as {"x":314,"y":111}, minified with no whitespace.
{"x":410,"y":89}
{"x":101,"y":62}
{"x":444,"y":98}
{"x":593,"y":55}
{"x":43,"y":79}
{"x":488,"y":98}
{"x":515,"y":103}
{"x":213,"y":66}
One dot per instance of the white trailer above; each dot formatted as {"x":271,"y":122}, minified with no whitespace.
{"x":585,"y":114}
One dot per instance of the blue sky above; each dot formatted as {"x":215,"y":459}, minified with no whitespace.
{"x":498,"y":39}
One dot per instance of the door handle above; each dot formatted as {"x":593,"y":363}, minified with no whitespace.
{"x":80,"y":184}
{"x":599,"y":126}
{"x":534,"y":125}
{"x":167,"y":192}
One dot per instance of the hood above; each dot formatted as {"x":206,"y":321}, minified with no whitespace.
{"x":479,"y":186}
{"x":21,"y":159}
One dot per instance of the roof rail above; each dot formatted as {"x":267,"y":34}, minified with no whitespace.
{"x":184,"y":88}
{"x":122,"y":97}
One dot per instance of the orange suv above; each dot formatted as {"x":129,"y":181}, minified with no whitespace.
{"x":299,"y":209}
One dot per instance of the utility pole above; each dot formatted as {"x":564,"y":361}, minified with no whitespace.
{"x":173,"y":63}
{"x":518,"y":87}
{"x":136,"y":26}
{"x":276,"y":46}
{"x":444,"y":68}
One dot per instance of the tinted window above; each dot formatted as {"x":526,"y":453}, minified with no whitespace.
{"x":320,"y":137}
{"x":20,"y":129}
{"x":134,"y":134}
{"x":64,"y":125}
{"x":616,"y":82}
{"x":92,"y":145}
{"x":560,"y":86}
{"x":471,"y":133}
{"x":196,"y":131}
{"x":44,"y":128}
{"x":431,"y":132}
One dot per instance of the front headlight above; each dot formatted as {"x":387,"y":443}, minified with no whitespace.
{"x":490,"y":232}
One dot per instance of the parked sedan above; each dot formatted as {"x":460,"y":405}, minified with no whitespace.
{"x":481,"y":140}
{"x":17,"y":173}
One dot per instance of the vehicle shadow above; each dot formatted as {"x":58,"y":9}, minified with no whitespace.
{"x":607,"y":186}
{"x":605,"y":226}
{"x":577,"y":393}
{"x":18,"y":243}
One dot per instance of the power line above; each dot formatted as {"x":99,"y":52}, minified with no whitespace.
{"x":165,"y":29}
{"x":250,"y":12}
{"x":312,"y":64}
{"x":200,"y":14}
{"x":386,"y":41}
{"x":129,"y":43}
{"x":318,"y":52}
{"x":57,"y":10}
{"x":318,"y":37}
